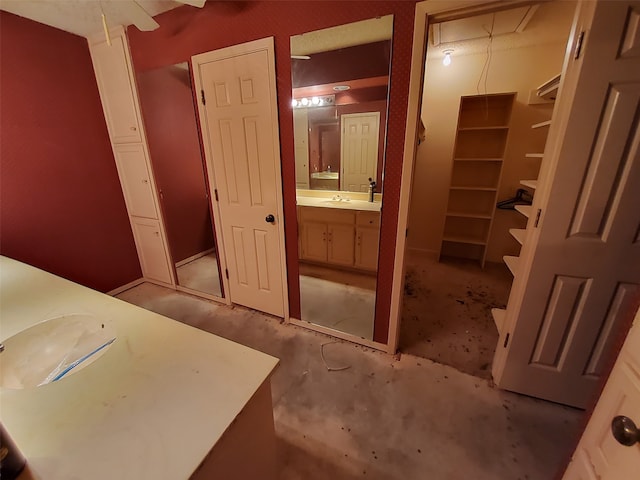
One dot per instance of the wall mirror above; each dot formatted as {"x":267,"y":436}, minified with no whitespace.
{"x":340,"y":80}
{"x":174,"y":146}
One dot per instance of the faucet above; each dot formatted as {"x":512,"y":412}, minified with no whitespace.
{"x":372,"y":186}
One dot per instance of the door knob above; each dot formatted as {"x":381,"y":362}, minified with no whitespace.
{"x":625,"y":431}
{"x":270,"y":219}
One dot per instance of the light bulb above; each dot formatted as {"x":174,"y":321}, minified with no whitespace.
{"x":305,"y":101}
{"x":446,"y":61}
{"x":294,"y":103}
{"x":315,"y":100}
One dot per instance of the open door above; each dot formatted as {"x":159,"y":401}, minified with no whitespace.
{"x":579,"y":266}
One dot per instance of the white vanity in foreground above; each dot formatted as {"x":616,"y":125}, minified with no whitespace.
{"x":165,"y":401}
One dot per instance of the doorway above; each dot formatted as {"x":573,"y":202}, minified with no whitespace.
{"x":470,"y":180}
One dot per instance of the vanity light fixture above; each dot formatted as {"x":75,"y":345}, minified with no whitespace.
{"x":316,"y":101}
{"x":341,"y":88}
{"x":446,"y":61}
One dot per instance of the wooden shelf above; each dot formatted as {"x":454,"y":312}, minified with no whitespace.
{"x":479,"y":189}
{"x":549,"y":89}
{"x":529,"y":183}
{"x":499,"y":127}
{"x":518,"y":234}
{"x":541,"y":124}
{"x":512,"y":263}
{"x":524,"y":210}
{"x":481,"y":140}
{"x":484,"y":216}
{"x":463,"y":239}
{"x":477,"y":159}
{"x":499,"y":315}
{"x":534,"y":155}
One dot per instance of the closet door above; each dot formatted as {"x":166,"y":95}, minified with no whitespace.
{"x":151,"y":249}
{"x":135,"y":180}
{"x":113,"y":72}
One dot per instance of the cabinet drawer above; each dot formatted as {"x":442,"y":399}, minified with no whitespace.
{"x":368,"y":219}
{"x":326,"y":215}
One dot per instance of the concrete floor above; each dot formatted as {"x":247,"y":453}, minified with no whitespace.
{"x":201,"y":275}
{"x":446,"y":315}
{"x":382,"y":418}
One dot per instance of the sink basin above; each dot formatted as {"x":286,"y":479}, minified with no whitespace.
{"x":53,"y":349}
{"x":336,"y":202}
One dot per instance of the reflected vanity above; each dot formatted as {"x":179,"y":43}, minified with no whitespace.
{"x":340,"y":79}
{"x":170,"y":121}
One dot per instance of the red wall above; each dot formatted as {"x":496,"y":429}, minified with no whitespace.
{"x":61,"y":206}
{"x":172,"y":133}
{"x":186,"y":31}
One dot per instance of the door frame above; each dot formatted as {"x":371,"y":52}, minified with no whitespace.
{"x":426,"y":11}
{"x":264,"y":44}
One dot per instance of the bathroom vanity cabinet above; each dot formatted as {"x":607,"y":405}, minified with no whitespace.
{"x":166,"y":401}
{"x":335,"y":236}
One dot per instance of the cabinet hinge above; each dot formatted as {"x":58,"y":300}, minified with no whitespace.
{"x":535,"y":224}
{"x":579,"y":43}
{"x":506,"y":341}
{"x":215,"y":192}
{"x":204,"y":100}
{"x":226,"y":273}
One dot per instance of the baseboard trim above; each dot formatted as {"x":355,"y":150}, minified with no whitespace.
{"x":124,"y":288}
{"x":194,"y":257}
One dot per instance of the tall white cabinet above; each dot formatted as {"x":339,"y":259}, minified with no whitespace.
{"x":116,"y":83}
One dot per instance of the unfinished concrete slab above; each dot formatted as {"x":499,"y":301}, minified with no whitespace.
{"x":382,"y":418}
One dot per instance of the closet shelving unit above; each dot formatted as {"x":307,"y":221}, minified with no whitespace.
{"x":548,"y":91}
{"x":481,"y":138}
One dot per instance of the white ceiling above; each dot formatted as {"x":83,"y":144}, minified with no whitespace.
{"x":550,"y":23}
{"x":83,"y":17}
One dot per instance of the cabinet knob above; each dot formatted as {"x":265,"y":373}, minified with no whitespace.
{"x":133,"y":129}
{"x":157,"y":234}
{"x":145,"y":181}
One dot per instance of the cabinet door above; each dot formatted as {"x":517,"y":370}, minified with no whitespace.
{"x":340,"y":245}
{"x":135,"y":179}
{"x":313,"y":240}
{"x":112,"y":69}
{"x":367,"y":248}
{"x":151,"y":250}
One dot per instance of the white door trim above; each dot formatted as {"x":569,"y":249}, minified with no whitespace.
{"x":265,"y":44}
{"x":416,"y":80}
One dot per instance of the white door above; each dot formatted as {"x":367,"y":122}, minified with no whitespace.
{"x":359,"y":150}
{"x":582,"y":268}
{"x":599,"y":454}
{"x":301,"y":140}
{"x":240,"y":123}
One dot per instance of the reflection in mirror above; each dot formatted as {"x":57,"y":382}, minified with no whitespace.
{"x":340,"y":79}
{"x":172,"y":133}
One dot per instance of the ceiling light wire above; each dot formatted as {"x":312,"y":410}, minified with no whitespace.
{"x":487,"y":62}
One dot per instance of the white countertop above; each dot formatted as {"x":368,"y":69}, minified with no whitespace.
{"x":151,"y":407}
{"x":351,"y":204}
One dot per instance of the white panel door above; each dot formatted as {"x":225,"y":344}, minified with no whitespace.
{"x":301,"y":139}
{"x":566,"y":302}
{"x":135,"y":179}
{"x":112,"y":69}
{"x":240,"y":110}
{"x":359,"y":150}
{"x":599,"y":455}
{"x":151,"y":249}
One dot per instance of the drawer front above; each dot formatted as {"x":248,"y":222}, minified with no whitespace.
{"x":368,"y":219}
{"x":326,"y":215}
